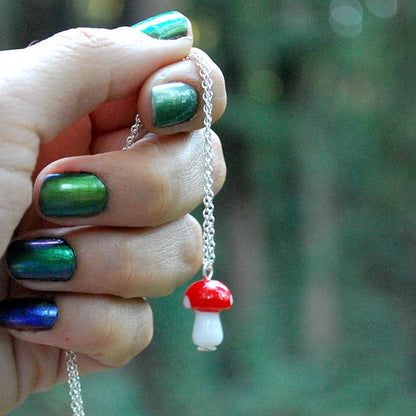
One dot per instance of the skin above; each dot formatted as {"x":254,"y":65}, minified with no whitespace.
{"x":67,"y":104}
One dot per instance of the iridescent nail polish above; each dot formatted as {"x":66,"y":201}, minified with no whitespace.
{"x":28,"y":314}
{"x":72,"y":194}
{"x":171,"y":25}
{"x":173,"y":103}
{"x":41,"y":259}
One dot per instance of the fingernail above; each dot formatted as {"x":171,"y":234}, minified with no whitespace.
{"x":173,"y":103}
{"x":72,"y":195}
{"x":42,"y":259}
{"x":26,"y":314}
{"x":171,"y":25}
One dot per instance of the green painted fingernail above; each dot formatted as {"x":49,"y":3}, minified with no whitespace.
{"x":42,"y":259}
{"x":173,"y":103}
{"x":72,"y":195}
{"x":171,"y":25}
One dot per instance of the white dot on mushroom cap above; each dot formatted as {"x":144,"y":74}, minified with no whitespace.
{"x":186,"y":302}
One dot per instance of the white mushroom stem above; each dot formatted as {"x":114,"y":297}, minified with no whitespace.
{"x":207,"y":332}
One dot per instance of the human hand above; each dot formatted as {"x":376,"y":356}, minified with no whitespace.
{"x":95,"y":229}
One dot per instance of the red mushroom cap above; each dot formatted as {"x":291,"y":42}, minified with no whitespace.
{"x":208,"y":296}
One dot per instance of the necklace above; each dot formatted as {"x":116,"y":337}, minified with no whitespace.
{"x":207,"y":297}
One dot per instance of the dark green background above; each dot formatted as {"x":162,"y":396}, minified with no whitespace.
{"x":316,"y":225}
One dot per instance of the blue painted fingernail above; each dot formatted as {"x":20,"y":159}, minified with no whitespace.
{"x":171,"y":25}
{"x":41,"y":259}
{"x":28,"y":314}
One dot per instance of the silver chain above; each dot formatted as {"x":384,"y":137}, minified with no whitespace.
{"x":208,"y":233}
{"x":134,"y":133}
{"x":77,"y":405}
{"x":208,"y":226}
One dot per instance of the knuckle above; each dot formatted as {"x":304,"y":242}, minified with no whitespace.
{"x":169,"y":285}
{"x":127,"y":277}
{"x":159,"y":192}
{"x":191,"y":252}
{"x":185,"y":256}
{"x":83,"y":37}
{"x":156,"y":184}
{"x":220,"y":168}
{"x":117,"y":344}
{"x":107,"y":335}
{"x":139,"y":337}
{"x":144,"y":329}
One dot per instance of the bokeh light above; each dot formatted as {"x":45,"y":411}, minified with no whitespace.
{"x":346,"y":17}
{"x":208,"y":27}
{"x":382,"y":8}
{"x":99,"y":12}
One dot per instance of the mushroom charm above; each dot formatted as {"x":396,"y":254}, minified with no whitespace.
{"x":207,"y":298}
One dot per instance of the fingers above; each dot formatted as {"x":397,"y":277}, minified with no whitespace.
{"x":108,"y":329}
{"x":178,"y":85}
{"x":122,"y":262}
{"x":170,"y":101}
{"x":158,"y":180}
{"x":73,"y":72}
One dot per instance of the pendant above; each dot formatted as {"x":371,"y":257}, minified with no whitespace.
{"x":207,"y":298}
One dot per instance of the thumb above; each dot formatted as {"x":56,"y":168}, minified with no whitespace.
{"x":52,"y":84}
{"x":74,"y":71}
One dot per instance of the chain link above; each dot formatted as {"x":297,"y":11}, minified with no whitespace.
{"x":208,"y":226}
{"x":77,"y":405}
{"x":134,"y":133}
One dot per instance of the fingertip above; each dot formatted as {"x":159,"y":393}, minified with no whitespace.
{"x":108,"y":329}
{"x":171,"y":100}
{"x":166,"y":26}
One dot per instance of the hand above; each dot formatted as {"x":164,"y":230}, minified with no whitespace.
{"x":95,"y":229}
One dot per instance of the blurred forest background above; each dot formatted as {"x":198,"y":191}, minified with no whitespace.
{"x":316,"y":224}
